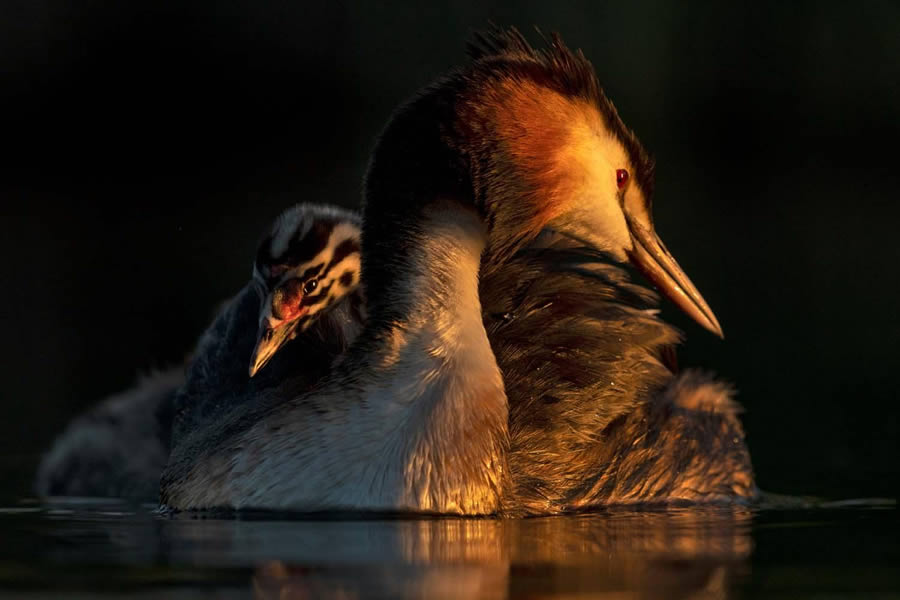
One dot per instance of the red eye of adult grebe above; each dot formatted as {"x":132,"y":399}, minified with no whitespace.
{"x":621,"y":178}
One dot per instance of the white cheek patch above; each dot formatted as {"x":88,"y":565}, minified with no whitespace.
{"x":596,"y":215}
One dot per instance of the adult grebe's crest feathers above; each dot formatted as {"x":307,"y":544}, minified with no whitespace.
{"x":568,"y":72}
{"x":498,"y":41}
{"x":572,"y":72}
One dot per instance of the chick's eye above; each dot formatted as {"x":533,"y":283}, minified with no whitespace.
{"x":310,"y":286}
{"x":621,"y":178}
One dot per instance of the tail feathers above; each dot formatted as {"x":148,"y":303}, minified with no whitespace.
{"x":684,"y":445}
{"x":701,"y":391}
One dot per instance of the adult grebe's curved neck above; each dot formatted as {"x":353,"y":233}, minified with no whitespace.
{"x":412,"y":169}
{"x":413,"y":418}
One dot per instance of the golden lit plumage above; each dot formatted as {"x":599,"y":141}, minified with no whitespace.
{"x":415,"y":417}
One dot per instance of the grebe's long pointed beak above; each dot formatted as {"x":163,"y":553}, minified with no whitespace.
{"x":271,"y":337}
{"x":651,"y":257}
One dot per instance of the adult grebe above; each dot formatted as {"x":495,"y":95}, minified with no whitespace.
{"x":414,"y":417}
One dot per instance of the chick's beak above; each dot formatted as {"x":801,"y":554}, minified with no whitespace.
{"x":651,"y":257}
{"x":271,"y":337}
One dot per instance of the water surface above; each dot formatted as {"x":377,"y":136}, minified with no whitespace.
{"x":92,"y":549}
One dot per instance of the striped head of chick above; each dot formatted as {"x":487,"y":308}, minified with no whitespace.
{"x":308,"y":263}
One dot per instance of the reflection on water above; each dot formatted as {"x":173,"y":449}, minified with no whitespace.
{"x":670,"y":553}
{"x":678,"y":553}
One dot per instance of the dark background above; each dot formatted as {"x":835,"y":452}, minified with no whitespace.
{"x":147,"y":146}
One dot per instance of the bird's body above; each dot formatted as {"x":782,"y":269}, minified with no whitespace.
{"x":416,"y":416}
{"x":383,"y":437}
{"x":596,"y":415}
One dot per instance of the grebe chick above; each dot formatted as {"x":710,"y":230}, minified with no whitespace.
{"x":306,"y":265}
{"x":305,"y":290}
{"x":119,"y":447}
{"x":415,"y":417}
